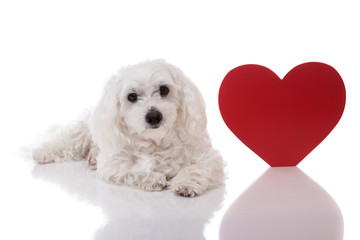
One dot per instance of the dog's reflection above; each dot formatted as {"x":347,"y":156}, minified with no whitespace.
{"x":283,"y":204}
{"x":135,"y":214}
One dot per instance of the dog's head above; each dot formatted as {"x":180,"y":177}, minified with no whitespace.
{"x":148,"y":100}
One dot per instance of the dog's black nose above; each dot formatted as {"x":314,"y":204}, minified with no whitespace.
{"x":153,"y":117}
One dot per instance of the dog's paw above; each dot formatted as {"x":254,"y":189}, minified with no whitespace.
{"x":159,"y":186}
{"x":154,"y":183}
{"x":186,"y":185}
{"x":42,"y":157}
{"x":92,"y":157}
{"x":185,"y":191}
{"x":92,"y":162}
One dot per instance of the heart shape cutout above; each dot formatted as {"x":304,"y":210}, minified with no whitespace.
{"x":282,"y":121}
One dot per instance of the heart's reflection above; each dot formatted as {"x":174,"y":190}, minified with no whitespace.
{"x":283,"y":204}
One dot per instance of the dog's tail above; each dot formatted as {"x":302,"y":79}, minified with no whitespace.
{"x":71,"y":142}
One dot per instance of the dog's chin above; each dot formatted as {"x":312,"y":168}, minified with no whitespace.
{"x":154,"y":132}
{"x":152,"y":127}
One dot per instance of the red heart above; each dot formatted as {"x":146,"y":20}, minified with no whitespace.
{"x":282,"y":121}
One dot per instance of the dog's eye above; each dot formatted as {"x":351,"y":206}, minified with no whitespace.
{"x":132,"y":97}
{"x":164,"y":90}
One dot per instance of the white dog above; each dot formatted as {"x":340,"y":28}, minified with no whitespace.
{"x":148,"y":131}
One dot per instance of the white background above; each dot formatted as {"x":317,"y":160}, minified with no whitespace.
{"x":56,"y":55}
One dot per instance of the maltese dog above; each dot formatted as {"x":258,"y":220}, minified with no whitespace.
{"x":148,"y":131}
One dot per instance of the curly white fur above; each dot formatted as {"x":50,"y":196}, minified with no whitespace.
{"x":125,"y":148}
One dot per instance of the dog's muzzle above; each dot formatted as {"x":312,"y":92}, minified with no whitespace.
{"x":153,"y":117}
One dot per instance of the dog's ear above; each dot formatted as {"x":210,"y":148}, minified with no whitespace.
{"x":105,"y":122}
{"x":192,"y":116}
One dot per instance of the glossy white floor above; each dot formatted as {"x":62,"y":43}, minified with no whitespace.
{"x":54,"y":59}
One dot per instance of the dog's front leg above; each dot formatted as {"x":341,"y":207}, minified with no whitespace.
{"x":131,"y":171}
{"x":207,"y":171}
{"x":148,"y":181}
{"x":190,"y":181}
